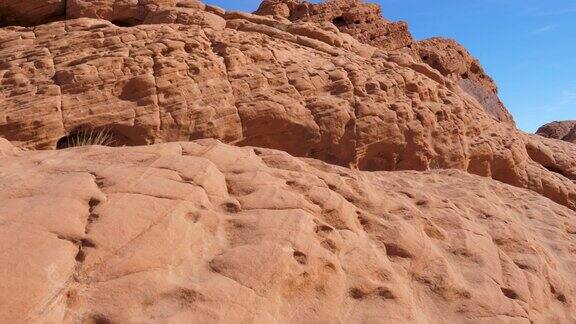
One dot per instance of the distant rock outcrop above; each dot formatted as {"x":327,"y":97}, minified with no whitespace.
{"x":562,"y":130}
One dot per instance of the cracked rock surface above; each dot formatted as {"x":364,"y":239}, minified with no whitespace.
{"x":206,"y":232}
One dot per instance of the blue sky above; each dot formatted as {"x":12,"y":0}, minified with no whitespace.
{"x":527,"y":46}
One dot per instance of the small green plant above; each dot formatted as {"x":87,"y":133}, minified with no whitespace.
{"x":86,"y":137}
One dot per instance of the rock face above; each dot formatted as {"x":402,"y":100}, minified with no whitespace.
{"x":163,"y":233}
{"x":120,"y":12}
{"x":562,"y":130}
{"x":31,"y":12}
{"x":190,"y":71}
{"x":361,"y":20}
{"x":364,"y":22}
{"x":454,"y":62}
{"x":571,"y":137}
{"x":202,"y":231}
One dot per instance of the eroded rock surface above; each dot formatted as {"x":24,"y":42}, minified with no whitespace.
{"x":562,"y":130}
{"x":571,"y":137}
{"x":304,"y":88}
{"x":164,"y":233}
{"x":457,"y":64}
{"x":206,"y":232}
{"x":364,"y":21}
{"x":31,"y":12}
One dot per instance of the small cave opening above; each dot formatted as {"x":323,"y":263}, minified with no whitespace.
{"x":123,"y":23}
{"x":425,"y":57}
{"x":339,"y":21}
{"x":114,"y":136}
{"x":465,"y":75}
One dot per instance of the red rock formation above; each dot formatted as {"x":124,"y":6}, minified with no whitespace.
{"x":30,"y":12}
{"x":571,"y":137}
{"x":364,"y":22}
{"x":562,"y":130}
{"x":201,"y":231}
{"x":253,"y":80}
{"x":205,"y":232}
{"x":454,"y":62}
{"x":122,"y":12}
{"x":361,"y":20}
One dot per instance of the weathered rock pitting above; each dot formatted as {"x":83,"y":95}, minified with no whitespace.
{"x":202,"y":231}
{"x":206,"y":232}
{"x":458,"y":65}
{"x":300,"y":87}
{"x":364,"y":21}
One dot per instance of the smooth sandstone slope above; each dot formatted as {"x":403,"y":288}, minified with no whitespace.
{"x":192,"y":71}
{"x":206,"y":232}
